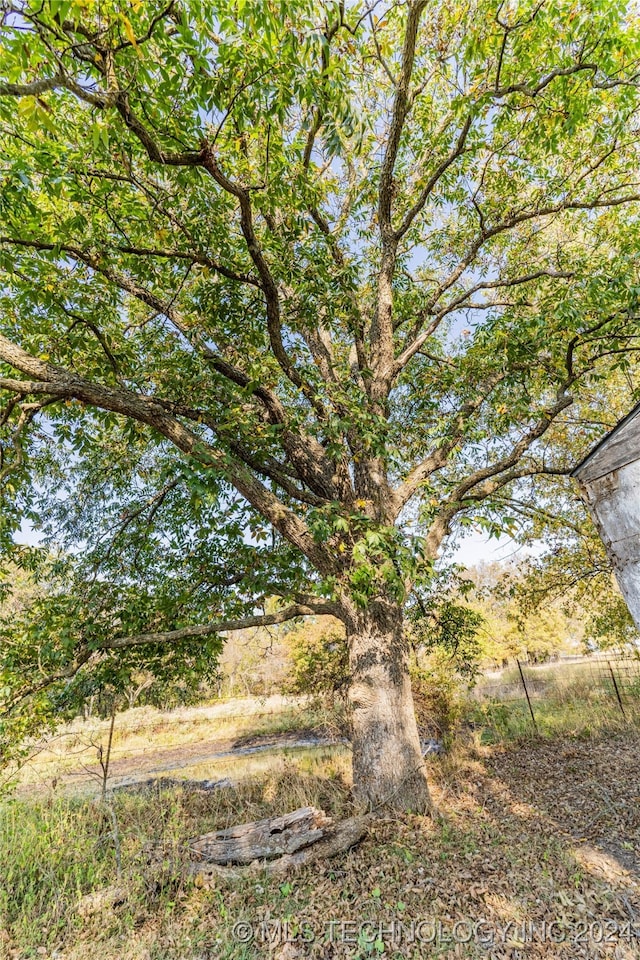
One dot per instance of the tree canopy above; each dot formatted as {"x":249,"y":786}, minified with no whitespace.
{"x":290,"y":291}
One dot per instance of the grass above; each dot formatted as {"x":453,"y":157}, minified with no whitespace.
{"x":522,"y":835}
{"x":498,"y":721}
{"x":330,"y":759}
{"x":528,"y":829}
{"x":57,"y":851}
{"x":566,"y":699}
{"x":580,"y":679}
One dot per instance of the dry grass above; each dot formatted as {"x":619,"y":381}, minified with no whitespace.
{"x":146,"y":736}
{"x":546,"y":831}
{"x":575,"y":699}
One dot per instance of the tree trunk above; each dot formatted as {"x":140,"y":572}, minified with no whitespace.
{"x":388,"y":767}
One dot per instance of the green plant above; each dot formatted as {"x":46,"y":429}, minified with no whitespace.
{"x":450,"y":627}
{"x":440,"y":695}
{"x":319,"y":661}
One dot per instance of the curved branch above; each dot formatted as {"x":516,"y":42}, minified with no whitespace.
{"x":519,"y":449}
{"x":533,"y":91}
{"x":200,"y":631}
{"x":104,"y":100}
{"x":33,"y":89}
{"x":486,"y":481}
{"x":515,"y":220}
{"x":55,"y":381}
{"x":439,"y":456}
{"x":268,"y":283}
{"x":308,"y":456}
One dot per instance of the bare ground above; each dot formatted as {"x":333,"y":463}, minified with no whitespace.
{"x":154,"y":762}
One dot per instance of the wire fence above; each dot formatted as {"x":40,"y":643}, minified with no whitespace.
{"x":609,"y":681}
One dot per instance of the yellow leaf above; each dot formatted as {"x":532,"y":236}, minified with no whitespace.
{"x":128,"y":29}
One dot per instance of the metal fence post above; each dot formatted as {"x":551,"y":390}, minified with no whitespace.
{"x":615,"y":687}
{"x":526,"y":693}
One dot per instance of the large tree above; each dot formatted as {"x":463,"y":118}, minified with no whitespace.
{"x":290,"y":291}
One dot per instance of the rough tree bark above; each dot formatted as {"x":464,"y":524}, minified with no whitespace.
{"x":388,"y":767}
{"x":262,"y":839}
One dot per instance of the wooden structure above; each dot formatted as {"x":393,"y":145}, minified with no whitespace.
{"x":609,"y":478}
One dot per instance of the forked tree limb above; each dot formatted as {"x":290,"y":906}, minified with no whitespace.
{"x":56,"y":381}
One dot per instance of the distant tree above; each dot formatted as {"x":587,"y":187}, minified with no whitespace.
{"x":575,"y":576}
{"x":254,"y":662}
{"x":520,"y":619}
{"x":291,"y":290}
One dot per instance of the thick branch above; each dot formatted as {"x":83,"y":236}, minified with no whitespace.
{"x":304,"y":450}
{"x":34,"y":89}
{"x":439,"y":456}
{"x":533,"y":91}
{"x":223,"y":626}
{"x":203,"y":158}
{"x":104,"y":100}
{"x":86,"y":653}
{"x":518,"y":450}
{"x":382,"y":324}
{"x":56,"y":381}
{"x":433,"y":180}
{"x":268,"y":283}
{"x":486,"y":481}
{"x":399,"y":115}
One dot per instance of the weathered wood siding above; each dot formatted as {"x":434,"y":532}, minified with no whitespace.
{"x":614,"y":502}
{"x":619,"y":448}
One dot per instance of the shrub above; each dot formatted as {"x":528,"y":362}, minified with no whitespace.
{"x":319,"y":661}
{"x":440,"y":695}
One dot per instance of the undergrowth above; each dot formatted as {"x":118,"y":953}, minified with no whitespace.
{"x":57,"y":851}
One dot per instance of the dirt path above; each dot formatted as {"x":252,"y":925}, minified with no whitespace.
{"x":157,"y":761}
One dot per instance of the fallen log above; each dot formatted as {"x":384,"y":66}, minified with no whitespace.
{"x":274,"y":847}
{"x":262,"y":839}
{"x":337,"y":838}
